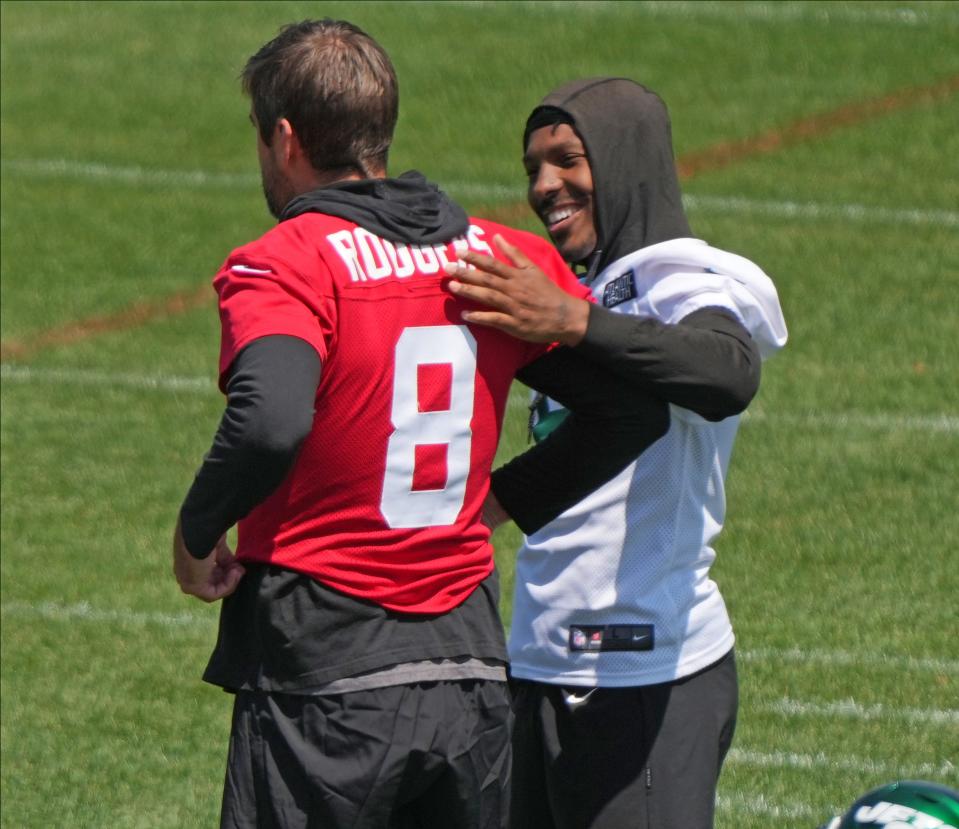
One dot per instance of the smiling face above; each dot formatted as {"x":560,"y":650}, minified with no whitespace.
{"x":561,"y":189}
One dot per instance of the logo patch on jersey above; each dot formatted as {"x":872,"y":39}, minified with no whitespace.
{"x":611,"y":637}
{"x":621,"y":289}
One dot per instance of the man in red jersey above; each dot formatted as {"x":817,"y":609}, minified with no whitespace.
{"x":360,"y":632}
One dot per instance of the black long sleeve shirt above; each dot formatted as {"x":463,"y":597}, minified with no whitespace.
{"x":271,"y":390}
{"x":616,"y":382}
{"x":707,"y":363}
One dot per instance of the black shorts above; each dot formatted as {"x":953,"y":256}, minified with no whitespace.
{"x":432,"y":754}
{"x":646,"y":757}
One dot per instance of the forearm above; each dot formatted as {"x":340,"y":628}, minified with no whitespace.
{"x":609,"y":425}
{"x":707,"y":362}
{"x":578,"y":457}
{"x":269,"y":413}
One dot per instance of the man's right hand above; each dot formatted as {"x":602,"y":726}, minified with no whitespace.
{"x":524,"y":302}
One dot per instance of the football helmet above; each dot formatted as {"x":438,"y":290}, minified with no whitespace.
{"x":907,"y":804}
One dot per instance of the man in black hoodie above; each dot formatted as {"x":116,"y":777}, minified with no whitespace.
{"x":360,"y":632}
{"x":621,"y":649}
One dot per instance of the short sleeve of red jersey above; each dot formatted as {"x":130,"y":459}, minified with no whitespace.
{"x":261,"y":294}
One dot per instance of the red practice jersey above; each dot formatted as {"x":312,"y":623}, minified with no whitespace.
{"x":384,"y":499}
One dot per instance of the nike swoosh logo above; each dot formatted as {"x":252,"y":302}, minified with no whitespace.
{"x":574,"y":700}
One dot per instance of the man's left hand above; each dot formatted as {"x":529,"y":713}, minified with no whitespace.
{"x":525,"y":302}
{"x":209,"y":579}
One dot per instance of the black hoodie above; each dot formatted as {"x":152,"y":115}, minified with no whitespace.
{"x":707,"y":363}
{"x":628,"y":139}
{"x":406,"y":209}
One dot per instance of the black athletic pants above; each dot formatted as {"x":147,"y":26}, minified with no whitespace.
{"x":646,"y":757}
{"x":433,"y":754}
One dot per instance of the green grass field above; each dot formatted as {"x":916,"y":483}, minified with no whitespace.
{"x":129,"y":172}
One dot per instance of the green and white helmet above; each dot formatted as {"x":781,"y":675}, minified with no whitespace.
{"x":908,"y":804}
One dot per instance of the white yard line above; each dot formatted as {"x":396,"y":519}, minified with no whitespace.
{"x":830,"y":658}
{"x":874,"y":421}
{"x":486,"y":191}
{"x":739,"y":803}
{"x":65,"y":168}
{"x":86,"y":377}
{"x":857,"y":765}
{"x":811,"y":210}
{"x":776,"y":13}
{"x":731,"y":803}
{"x":88,"y":612}
{"x":877,"y":421}
{"x":760,"y":806}
{"x":204,"y":179}
{"x":788,"y":12}
{"x":850,"y":709}
{"x":85,"y":612}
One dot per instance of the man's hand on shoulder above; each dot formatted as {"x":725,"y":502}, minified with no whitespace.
{"x":523,"y":301}
{"x":209,"y":579}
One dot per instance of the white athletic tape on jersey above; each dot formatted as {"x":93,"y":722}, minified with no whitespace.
{"x":811,"y":211}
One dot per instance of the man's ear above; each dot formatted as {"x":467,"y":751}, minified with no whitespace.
{"x":286,"y":144}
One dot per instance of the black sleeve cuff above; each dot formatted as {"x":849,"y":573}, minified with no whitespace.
{"x":608,"y":426}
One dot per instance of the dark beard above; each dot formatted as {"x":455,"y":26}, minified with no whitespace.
{"x":272,"y":203}
{"x":276,"y":199}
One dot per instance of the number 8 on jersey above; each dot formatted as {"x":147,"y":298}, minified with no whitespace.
{"x":424,"y":437}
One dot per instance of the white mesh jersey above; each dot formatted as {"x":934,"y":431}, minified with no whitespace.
{"x":637,"y":551}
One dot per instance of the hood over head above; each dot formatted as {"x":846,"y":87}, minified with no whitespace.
{"x":407,"y":209}
{"x":626,"y":132}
